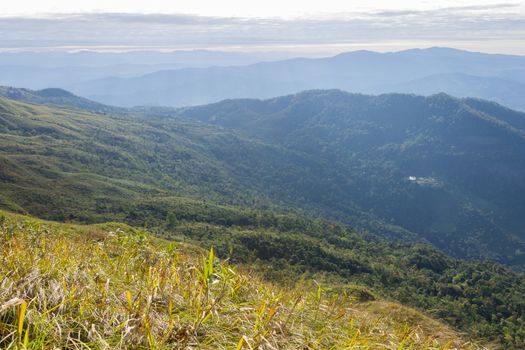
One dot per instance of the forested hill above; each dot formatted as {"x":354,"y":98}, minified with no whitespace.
{"x":247,"y":197}
{"x":451,"y":170}
{"x":57,"y":97}
{"x":448,"y":170}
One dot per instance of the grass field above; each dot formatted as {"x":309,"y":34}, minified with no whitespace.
{"x":110,"y":286}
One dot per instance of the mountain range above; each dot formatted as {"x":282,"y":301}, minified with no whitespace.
{"x":40,"y":70}
{"x":500,"y":78}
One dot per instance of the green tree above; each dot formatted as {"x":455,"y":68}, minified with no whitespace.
{"x":171,"y":220}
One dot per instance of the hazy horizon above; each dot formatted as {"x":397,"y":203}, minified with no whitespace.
{"x":296,"y":52}
{"x":296,"y":29}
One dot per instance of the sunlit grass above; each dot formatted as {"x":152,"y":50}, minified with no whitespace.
{"x":113,"y":287}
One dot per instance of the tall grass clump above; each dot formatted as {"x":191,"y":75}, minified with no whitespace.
{"x":114,"y":287}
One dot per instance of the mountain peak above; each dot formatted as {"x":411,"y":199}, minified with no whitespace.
{"x":54,"y":92}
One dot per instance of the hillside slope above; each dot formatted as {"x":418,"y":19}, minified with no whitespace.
{"x":50,"y":153}
{"x":62,"y":163}
{"x":122,"y":288}
{"x":57,"y":97}
{"x":447,"y":169}
{"x":399,"y":165}
{"x":168,"y":175}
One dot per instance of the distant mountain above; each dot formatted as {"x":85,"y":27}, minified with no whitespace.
{"x":37,"y":77}
{"x":38,"y":70}
{"x":359,"y":71}
{"x":501,"y":90}
{"x":87,"y":58}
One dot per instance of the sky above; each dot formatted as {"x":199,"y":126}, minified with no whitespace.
{"x":315,"y":27}
{"x":237,"y":8}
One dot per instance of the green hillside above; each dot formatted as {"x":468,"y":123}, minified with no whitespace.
{"x":57,"y":97}
{"x":449,"y":170}
{"x":65,"y":163}
{"x":91,"y":164}
{"x":208,"y":186}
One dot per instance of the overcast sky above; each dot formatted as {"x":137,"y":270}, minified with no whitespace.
{"x":320,"y":27}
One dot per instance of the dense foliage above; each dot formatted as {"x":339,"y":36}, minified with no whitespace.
{"x":449,"y":170}
{"x":483,"y":298}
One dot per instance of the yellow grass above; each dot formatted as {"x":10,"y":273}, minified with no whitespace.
{"x":113,"y":287}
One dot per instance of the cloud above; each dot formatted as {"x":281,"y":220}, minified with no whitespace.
{"x":466,"y":23}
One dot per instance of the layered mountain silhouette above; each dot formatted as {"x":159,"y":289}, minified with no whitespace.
{"x":500,"y":78}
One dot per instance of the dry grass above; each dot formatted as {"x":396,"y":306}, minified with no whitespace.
{"x":112,"y":287}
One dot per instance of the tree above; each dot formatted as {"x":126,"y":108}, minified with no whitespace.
{"x":171,"y":220}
